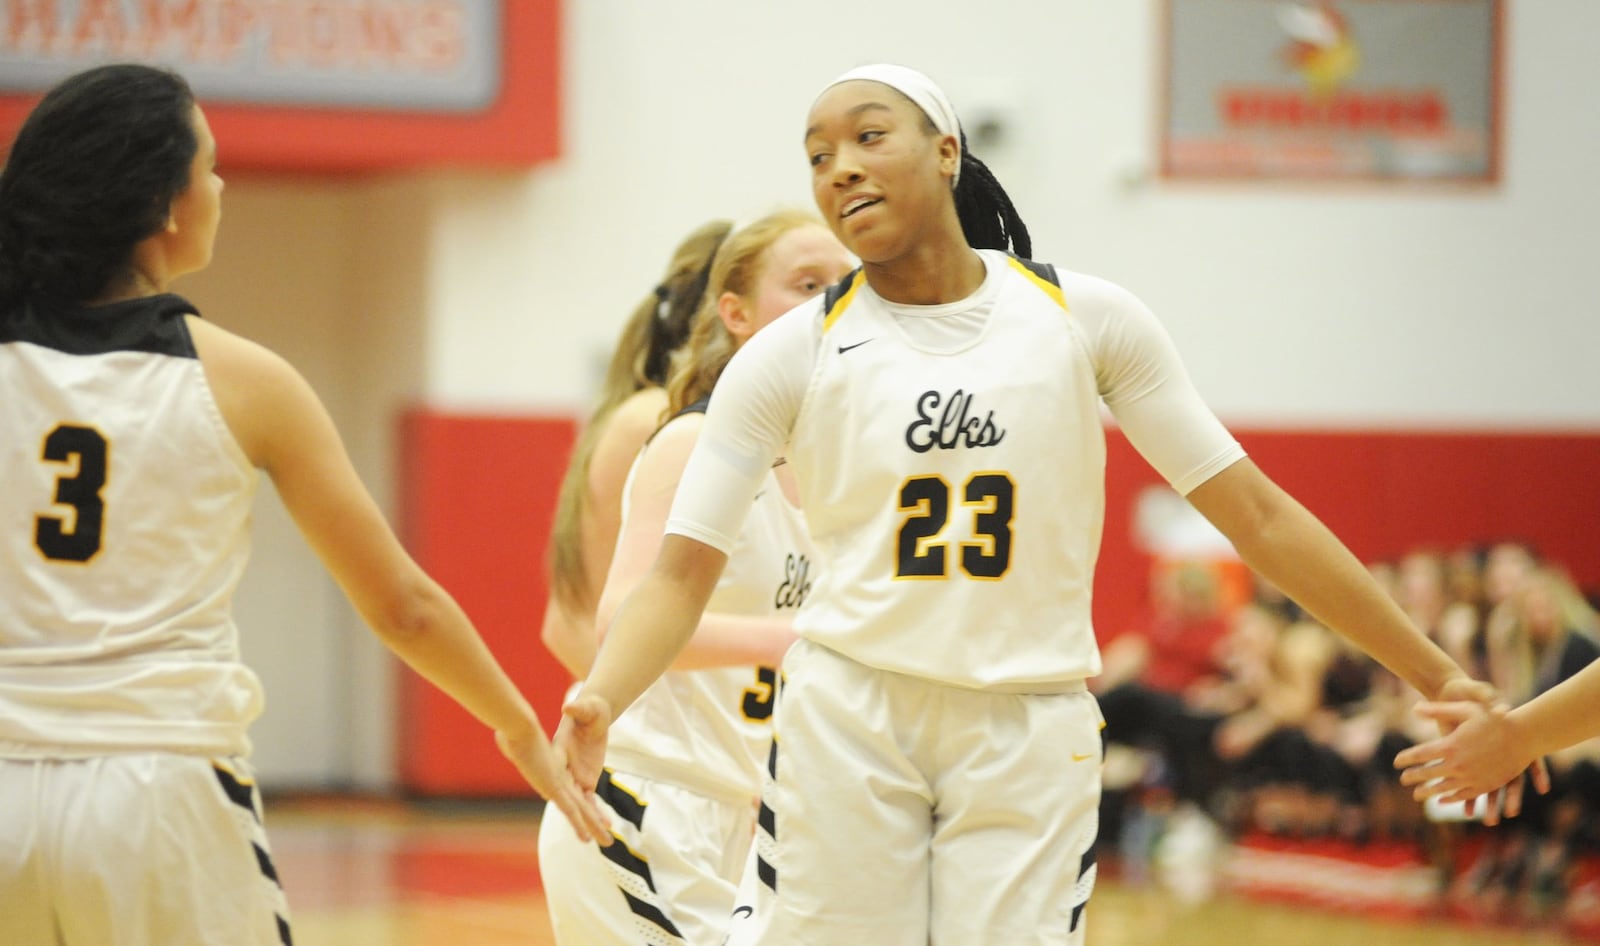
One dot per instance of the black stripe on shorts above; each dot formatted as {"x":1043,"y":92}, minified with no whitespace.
{"x":645,"y":911}
{"x":618,"y":854}
{"x":627,"y":807}
{"x":1083,"y":868}
{"x":238,"y":792}
{"x":767,"y":873}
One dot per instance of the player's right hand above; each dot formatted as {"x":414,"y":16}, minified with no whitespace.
{"x":545,"y":768}
{"x":581,"y":737}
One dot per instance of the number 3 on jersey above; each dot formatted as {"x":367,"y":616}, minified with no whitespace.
{"x":927,"y":498}
{"x":86,"y":450}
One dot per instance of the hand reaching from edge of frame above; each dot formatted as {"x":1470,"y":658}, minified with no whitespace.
{"x":545,"y":768}
{"x":581,"y":738}
{"x":1476,"y":755}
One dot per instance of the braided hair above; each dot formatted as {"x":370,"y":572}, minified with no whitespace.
{"x":988,"y":218}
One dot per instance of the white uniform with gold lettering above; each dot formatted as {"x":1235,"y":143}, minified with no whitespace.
{"x":130,"y":816}
{"x":936,"y":766}
{"x":683,"y":773}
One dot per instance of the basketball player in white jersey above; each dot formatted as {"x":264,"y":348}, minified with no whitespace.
{"x":633,"y":400}
{"x":133,"y":433}
{"x":684,"y":765}
{"x":937,"y":752}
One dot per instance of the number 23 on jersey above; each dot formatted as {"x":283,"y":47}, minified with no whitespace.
{"x":988,"y":497}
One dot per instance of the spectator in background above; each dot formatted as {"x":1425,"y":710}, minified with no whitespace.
{"x":1178,"y":647}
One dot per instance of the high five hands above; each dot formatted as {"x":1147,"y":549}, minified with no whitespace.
{"x":1477,"y":754}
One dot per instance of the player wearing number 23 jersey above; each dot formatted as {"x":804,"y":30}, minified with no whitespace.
{"x":951,"y":462}
{"x":935,"y":766}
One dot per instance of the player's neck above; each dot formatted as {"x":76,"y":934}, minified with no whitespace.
{"x":932,"y":274}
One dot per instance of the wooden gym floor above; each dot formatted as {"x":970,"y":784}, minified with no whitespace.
{"x":362,"y":873}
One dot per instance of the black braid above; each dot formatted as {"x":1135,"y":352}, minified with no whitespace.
{"x":988,"y":218}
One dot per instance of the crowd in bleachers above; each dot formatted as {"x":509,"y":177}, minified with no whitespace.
{"x":1252,"y":717}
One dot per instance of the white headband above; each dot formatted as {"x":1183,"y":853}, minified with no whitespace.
{"x":919,"y":89}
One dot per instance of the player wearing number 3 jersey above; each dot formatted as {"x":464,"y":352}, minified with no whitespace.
{"x":131,"y":433}
{"x":936,"y":751}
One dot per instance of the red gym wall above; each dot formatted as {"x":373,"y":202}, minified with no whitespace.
{"x":479,"y":491}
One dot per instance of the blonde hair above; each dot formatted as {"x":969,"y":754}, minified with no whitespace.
{"x":737,"y":269}
{"x":659,"y":325}
{"x":1521,"y":660}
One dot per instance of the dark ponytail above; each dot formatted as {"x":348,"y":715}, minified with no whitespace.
{"x":988,"y":218}
{"x":93,"y":171}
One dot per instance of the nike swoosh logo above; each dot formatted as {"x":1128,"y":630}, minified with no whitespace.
{"x":845,"y":348}
{"x":743,"y":911}
{"x":1082,"y":758}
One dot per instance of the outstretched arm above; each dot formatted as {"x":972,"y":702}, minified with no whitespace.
{"x":284,"y":429}
{"x":719,"y":640}
{"x":653,"y":624}
{"x":1286,"y":544}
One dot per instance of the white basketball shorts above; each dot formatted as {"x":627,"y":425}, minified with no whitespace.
{"x":136,"y":849}
{"x":903,"y":812}
{"x":668,"y":877}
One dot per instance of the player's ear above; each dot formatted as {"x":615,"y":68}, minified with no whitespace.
{"x":731,"y":310}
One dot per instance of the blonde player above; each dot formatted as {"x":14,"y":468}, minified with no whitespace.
{"x":937,"y":752}
{"x":133,"y":432}
{"x":633,"y":400}
{"x":683,"y":769}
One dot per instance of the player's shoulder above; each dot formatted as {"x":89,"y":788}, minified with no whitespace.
{"x":666,"y":453}
{"x":230,"y":357}
{"x":1076,"y":288}
{"x":641,"y":410}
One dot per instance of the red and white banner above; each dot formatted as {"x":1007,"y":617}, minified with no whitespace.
{"x":1364,"y":89}
{"x":319,"y":84}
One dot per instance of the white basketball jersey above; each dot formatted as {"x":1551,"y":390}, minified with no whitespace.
{"x":124,"y":529}
{"x":955,"y":497}
{"x":709,"y":730}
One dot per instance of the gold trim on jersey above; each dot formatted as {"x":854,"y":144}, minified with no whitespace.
{"x":241,"y":779}
{"x":832,"y":313}
{"x":1048,"y":288}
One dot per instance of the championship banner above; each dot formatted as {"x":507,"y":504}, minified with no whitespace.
{"x":1380,"y":90}
{"x":318,"y":84}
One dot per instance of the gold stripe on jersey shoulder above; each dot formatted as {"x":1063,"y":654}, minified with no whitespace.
{"x":839,"y":297}
{"x":1043,"y":277}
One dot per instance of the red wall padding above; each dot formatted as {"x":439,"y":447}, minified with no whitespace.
{"x":479,"y":492}
{"x":477,"y":495}
{"x":1388,"y":492}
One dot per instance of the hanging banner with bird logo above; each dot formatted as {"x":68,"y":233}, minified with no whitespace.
{"x":1381,"y":90}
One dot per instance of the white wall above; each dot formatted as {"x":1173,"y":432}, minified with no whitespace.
{"x":1292,"y":305}
{"x":501,"y":291}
